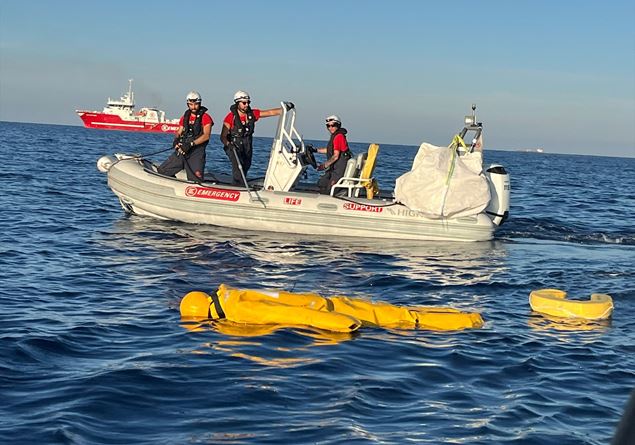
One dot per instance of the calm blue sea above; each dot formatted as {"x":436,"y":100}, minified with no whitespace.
{"x":93,"y":351}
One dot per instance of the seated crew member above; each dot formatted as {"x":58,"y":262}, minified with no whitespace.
{"x":195,"y":129}
{"x":337,"y":153}
{"x":237,"y":132}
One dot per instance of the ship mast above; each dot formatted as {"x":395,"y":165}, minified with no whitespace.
{"x":130,"y":93}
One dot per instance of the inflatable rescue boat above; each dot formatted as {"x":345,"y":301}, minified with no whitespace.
{"x":458,"y":201}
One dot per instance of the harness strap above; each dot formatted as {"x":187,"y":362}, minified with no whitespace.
{"x":457,"y":142}
{"x":215,"y":309}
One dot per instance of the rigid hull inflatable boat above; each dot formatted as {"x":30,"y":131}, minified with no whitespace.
{"x":282,"y":203}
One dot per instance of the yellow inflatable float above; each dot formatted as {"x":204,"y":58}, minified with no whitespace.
{"x":554,"y":302}
{"x":338,"y":314}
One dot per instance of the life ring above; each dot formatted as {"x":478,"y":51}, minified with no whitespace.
{"x":554,"y":302}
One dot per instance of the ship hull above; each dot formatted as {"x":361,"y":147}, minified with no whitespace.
{"x":103,"y":121}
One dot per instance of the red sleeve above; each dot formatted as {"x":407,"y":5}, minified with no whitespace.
{"x":229,"y":120}
{"x":207,"y":120}
{"x":256,"y":114}
{"x":339,"y":143}
{"x":181,"y":121}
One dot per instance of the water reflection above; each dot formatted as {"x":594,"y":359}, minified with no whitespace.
{"x":240,"y":330}
{"x":561,"y":328}
{"x":443,"y":263}
{"x":250,"y":342}
{"x":242,"y":341}
{"x":448,"y":263}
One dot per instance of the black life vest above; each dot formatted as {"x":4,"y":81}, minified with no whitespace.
{"x":346,"y":155}
{"x":242,"y":133}
{"x":193,"y":130}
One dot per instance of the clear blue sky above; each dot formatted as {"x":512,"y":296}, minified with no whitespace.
{"x":552,"y":74}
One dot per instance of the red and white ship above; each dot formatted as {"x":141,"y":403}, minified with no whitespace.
{"x":120,"y":115}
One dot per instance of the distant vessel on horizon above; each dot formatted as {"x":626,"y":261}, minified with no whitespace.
{"x":532,"y":150}
{"x":120,"y":115}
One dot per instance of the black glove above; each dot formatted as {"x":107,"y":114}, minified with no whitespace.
{"x":175,"y":142}
{"x":288,"y":105}
{"x":187,"y":145}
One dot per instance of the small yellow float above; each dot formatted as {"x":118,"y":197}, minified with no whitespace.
{"x":554,"y":302}
{"x":337,"y":314}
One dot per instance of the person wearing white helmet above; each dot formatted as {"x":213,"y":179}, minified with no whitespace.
{"x":337,"y":152}
{"x":237,"y":132}
{"x":195,"y":129}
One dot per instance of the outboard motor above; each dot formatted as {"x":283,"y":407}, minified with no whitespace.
{"x":498,"y":207}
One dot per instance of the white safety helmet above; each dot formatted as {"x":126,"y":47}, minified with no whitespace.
{"x":334,"y":118}
{"x":193,"y":96}
{"x":241,"y":95}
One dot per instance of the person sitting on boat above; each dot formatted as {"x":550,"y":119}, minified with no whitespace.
{"x":195,"y":128}
{"x":337,"y":153}
{"x":237,"y":133}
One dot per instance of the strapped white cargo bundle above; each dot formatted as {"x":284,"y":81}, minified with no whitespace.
{"x":444,"y":182}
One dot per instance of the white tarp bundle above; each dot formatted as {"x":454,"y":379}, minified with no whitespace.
{"x":443,"y":184}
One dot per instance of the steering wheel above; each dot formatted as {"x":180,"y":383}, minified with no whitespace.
{"x":308,"y":153}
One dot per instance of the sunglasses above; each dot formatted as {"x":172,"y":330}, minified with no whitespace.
{"x":244,"y":102}
{"x":331,"y":125}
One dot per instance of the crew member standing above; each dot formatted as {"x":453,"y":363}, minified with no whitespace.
{"x":237,"y":132}
{"x":195,"y":129}
{"x":337,"y":154}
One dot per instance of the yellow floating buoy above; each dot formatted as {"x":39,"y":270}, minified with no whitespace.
{"x":554,"y":302}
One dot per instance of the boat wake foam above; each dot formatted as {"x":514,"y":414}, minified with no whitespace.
{"x":548,"y":229}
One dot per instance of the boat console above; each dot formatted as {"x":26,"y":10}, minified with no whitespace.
{"x":289,"y":156}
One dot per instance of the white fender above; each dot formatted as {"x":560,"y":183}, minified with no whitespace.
{"x":105,"y":162}
{"x":500,"y":188}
